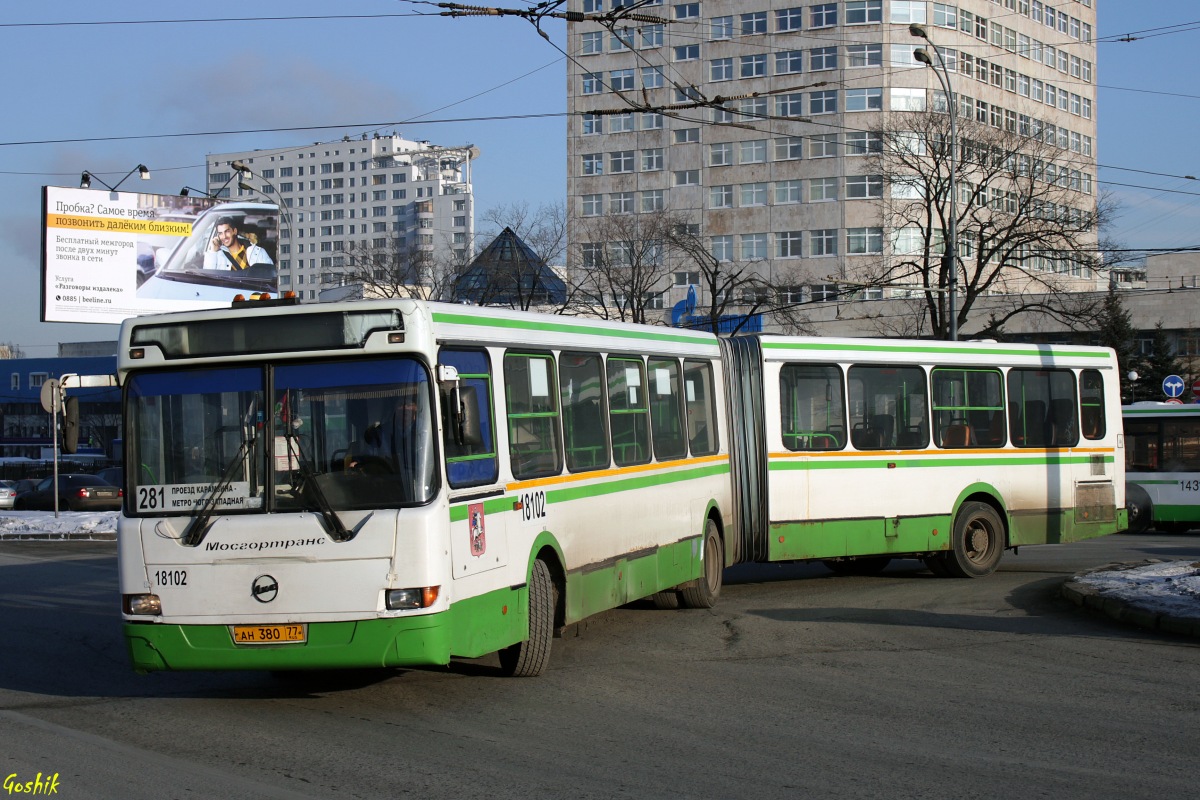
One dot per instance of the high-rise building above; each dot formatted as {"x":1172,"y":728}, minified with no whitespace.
{"x":759,"y":120}
{"x":383,"y":204}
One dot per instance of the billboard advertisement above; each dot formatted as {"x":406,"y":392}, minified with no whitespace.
{"x":109,"y":255}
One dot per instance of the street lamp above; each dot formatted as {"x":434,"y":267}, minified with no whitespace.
{"x":922,"y":55}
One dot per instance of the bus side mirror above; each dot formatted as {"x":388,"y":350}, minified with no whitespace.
{"x":70,"y":442}
{"x":464,"y":416}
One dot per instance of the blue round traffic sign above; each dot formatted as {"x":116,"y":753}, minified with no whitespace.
{"x":1173,"y":386}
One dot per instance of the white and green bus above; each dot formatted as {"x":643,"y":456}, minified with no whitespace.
{"x":858,"y":451}
{"x":390,"y":483}
{"x":1162,"y":466}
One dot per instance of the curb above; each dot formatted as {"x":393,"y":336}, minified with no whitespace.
{"x":33,"y":536}
{"x":1089,"y":597}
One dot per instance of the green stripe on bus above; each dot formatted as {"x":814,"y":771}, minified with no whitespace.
{"x":562,"y":327}
{"x":459,"y":512}
{"x":975,"y":350}
{"x":1141,"y":482}
{"x":782,"y":465}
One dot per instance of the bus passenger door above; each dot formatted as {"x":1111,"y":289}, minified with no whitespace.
{"x":479,"y":513}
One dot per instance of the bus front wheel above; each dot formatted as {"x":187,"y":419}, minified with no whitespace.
{"x":529,"y":658}
{"x":978,"y":542}
{"x":704,"y":591}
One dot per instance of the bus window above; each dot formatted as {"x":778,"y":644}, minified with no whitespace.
{"x":812,"y":407}
{"x":1091,"y":411}
{"x":968,"y":407}
{"x":627,"y":411}
{"x":1041,"y":408}
{"x":701,"y":407}
{"x":888,"y":408}
{"x":1180,"y":445}
{"x":581,"y":390}
{"x":666,"y":413}
{"x":532,"y":415}
{"x":471,"y":464}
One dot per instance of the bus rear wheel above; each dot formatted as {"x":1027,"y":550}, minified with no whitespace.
{"x":978,"y":542}
{"x":529,"y":658}
{"x":704,"y":591}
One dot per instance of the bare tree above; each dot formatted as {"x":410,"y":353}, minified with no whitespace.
{"x":1027,"y":220}
{"x":390,"y":269}
{"x":623,"y":268}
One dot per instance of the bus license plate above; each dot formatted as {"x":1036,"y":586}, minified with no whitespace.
{"x":270,"y":634}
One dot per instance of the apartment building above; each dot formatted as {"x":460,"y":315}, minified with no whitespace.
{"x":367,"y":203}
{"x":758,"y":121}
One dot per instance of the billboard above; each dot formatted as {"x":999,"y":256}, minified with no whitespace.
{"x":109,"y":255}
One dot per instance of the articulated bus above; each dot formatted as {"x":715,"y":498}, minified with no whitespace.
{"x":1162,"y":466}
{"x":391,"y":483}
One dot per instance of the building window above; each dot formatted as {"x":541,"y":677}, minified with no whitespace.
{"x":753,"y":66}
{"x":652,"y":77}
{"x":823,"y":145}
{"x":720,"y":69}
{"x":652,"y":159}
{"x":864,"y":55}
{"x":822,"y":58}
{"x":788,"y":19}
{"x":687,"y":135}
{"x":864,"y":99}
{"x":862,"y":12}
{"x":720,"y":197}
{"x":905,"y":12}
{"x":864,"y":241}
{"x":788,"y":244}
{"x":822,"y":242}
{"x":687,"y":52}
{"x":824,"y":15}
{"x":861,"y":143}
{"x":621,"y":161}
{"x":789,"y":62}
{"x":720,"y":154}
{"x":622,"y":123}
{"x":621,"y":80}
{"x":789,"y":148}
{"x":593,"y":164}
{"x":591,"y":124}
{"x":753,"y":194}
{"x":592,"y":43}
{"x":860,"y":187}
{"x":752,"y":152}
{"x":593,"y":205}
{"x":687,"y":11}
{"x":687,"y":177}
{"x":593,"y":83}
{"x":721,"y":28}
{"x":790,"y":191}
{"x":754,"y":246}
{"x":824,"y":102}
{"x":653,"y":200}
{"x":907,"y":99}
{"x":754,"y":22}
{"x":620,"y":203}
{"x":722,"y":248}
{"x":651,"y":121}
{"x":822,"y":190}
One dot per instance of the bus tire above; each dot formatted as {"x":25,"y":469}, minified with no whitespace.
{"x":937,"y":565}
{"x":666,"y":601}
{"x":978,"y":542}
{"x":704,"y":591}
{"x":867,"y":565}
{"x":529,"y":658}
{"x":1139,"y":507}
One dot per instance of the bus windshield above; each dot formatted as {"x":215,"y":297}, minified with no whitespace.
{"x":335,"y":436}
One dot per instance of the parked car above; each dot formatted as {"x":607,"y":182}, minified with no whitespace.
{"x":76,"y":492}
{"x":113,"y":475}
{"x":7,"y":493}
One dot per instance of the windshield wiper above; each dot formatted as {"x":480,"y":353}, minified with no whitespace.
{"x":336,"y":529}
{"x":196,"y":530}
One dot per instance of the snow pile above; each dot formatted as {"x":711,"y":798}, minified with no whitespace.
{"x":1169,"y":587}
{"x":79,"y":523}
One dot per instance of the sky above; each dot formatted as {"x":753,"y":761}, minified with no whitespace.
{"x":107,"y":97}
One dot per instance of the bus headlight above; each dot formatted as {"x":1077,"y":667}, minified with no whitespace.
{"x":407,"y":599}
{"x":142,"y":605}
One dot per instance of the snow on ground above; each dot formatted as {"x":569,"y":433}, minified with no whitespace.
{"x":22,"y":523}
{"x":1168,"y":587}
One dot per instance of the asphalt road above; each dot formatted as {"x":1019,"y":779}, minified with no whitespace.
{"x":799,"y":683}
